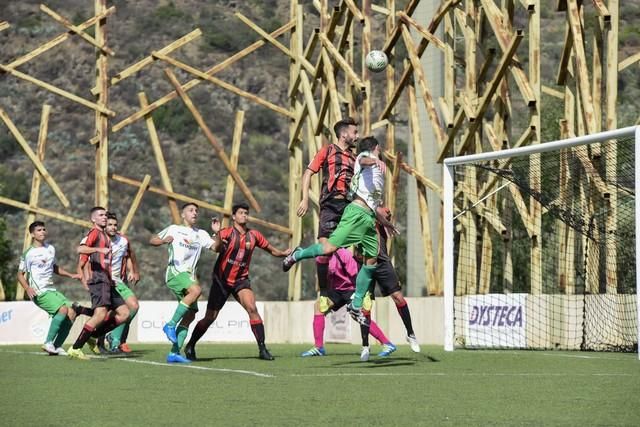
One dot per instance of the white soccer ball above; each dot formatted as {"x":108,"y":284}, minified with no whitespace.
{"x":376,"y":61}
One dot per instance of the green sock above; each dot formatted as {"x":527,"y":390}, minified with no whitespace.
{"x":56,"y":322}
{"x":309,"y":252}
{"x":63,"y":332}
{"x":179,"y":314}
{"x":181,"y":332}
{"x":363,"y":280}
{"x":116,"y":334}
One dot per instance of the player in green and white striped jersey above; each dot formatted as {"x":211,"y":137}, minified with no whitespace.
{"x":185,"y":245}
{"x":35,"y":275}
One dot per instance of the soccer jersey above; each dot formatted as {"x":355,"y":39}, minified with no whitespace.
{"x":337,"y":170}
{"x":233,"y":262}
{"x":368,"y":181}
{"x":99,"y":265}
{"x":185,"y":249}
{"x":119,"y":254}
{"x":38,"y":264}
{"x":343,"y":270}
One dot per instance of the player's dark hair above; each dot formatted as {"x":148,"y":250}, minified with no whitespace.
{"x":112,"y":215}
{"x":95,"y":209}
{"x":368,"y":143}
{"x":186,"y":205}
{"x":34,"y":225}
{"x":241,"y":205}
{"x":342,"y":125}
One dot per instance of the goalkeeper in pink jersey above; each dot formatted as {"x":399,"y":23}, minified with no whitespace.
{"x":343,"y":270}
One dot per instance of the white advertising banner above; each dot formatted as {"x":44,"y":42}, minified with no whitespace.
{"x":22,"y":322}
{"x":496,"y":320}
{"x":232,"y":324}
{"x":338,"y":326}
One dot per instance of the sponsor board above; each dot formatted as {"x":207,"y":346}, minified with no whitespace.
{"x":496,"y":320}
{"x":232,"y":324}
{"x":338,"y":326}
{"x":22,"y":322}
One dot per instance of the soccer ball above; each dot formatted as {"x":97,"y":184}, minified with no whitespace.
{"x":376,"y":61}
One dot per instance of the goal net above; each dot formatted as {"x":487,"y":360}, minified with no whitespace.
{"x":540,"y":246}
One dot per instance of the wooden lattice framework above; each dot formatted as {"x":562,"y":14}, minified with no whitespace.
{"x":328,"y":80}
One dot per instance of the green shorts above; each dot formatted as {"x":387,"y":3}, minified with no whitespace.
{"x":357,"y":227}
{"x":51,"y":301}
{"x":124,"y":291}
{"x":179,"y":285}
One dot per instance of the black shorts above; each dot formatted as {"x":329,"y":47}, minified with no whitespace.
{"x":339,"y":298}
{"x":386,"y":278}
{"x":104,"y":295}
{"x":220,"y":292}
{"x":330,"y":213}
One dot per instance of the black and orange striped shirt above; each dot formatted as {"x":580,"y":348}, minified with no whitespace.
{"x":99,"y":265}
{"x":337,"y":170}
{"x":234,"y":259}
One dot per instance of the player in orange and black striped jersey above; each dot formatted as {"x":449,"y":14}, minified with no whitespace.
{"x":231,"y":277}
{"x":336,"y":161}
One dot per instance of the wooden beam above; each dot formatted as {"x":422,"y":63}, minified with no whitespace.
{"x":408,"y":70}
{"x":430,"y":107}
{"x":331,"y":49}
{"x":414,"y":172}
{"x":134,"y":205}
{"x":45,"y":212}
{"x":192,"y":83}
{"x":162,"y":165}
{"x":213,"y":140}
{"x":4,"y":25}
{"x":34,"y":158}
{"x":75,"y":29}
{"x":57,"y":91}
{"x":354,"y":10}
{"x":550,"y":91}
{"x":133,"y":69}
{"x":395,"y":33}
{"x":58,"y":39}
{"x":421,"y":30}
{"x":101,"y":195}
{"x":228,"y":86}
{"x":200,"y":203}
{"x":235,"y":154}
{"x":629,"y":61}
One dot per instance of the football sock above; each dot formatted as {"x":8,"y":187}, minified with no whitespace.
{"x":85,"y":334}
{"x":405,"y":315}
{"x":318,"y":330}
{"x":198,"y":332}
{"x":377,"y":333}
{"x":63,"y":332}
{"x":363,"y":280}
{"x":179,"y":314}
{"x":309,"y":252}
{"x":82,"y":310}
{"x":181,"y":333}
{"x":54,"y":328}
{"x":109,"y":323}
{"x":125,"y":333}
{"x":322,"y":269}
{"x":116,"y":334}
{"x":364,"y":333}
{"x":257,"y":327}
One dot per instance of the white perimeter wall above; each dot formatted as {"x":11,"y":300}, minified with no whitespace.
{"x":285,"y":322}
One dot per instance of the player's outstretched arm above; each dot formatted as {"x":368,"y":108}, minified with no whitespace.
{"x":64,"y":273}
{"x":277,"y":252}
{"x":133,"y":274}
{"x":157,"y":241}
{"x":303,"y":207}
{"x":31,"y":293}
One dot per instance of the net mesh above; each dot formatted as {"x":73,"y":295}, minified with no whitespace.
{"x":544,"y":250}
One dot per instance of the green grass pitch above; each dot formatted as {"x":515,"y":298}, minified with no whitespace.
{"x":230,"y":386}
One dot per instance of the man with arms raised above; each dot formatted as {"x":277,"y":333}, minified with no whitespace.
{"x":185,"y":243}
{"x":231,"y":277}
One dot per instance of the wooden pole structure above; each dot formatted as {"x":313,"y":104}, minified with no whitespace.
{"x":102,"y":121}
{"x":235,"y":153}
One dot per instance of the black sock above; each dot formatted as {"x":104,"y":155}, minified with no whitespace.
{"x":82,"y":310}
{"x":322,"y":270}
{"x":198,"y":332}
{"x":406,"y":317}
{"x":257,"y":327}
{"x":85,"y":334}
{"x":364,"y":332}
{"x":125,"y":334}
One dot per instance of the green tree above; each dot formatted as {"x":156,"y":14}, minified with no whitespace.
{"x":7,"y":264}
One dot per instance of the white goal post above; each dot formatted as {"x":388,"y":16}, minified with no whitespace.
{"x":580,"y":312}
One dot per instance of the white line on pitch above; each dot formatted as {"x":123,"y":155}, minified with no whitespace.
{"x":149,"y":362}
{"x":469,"y":374}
